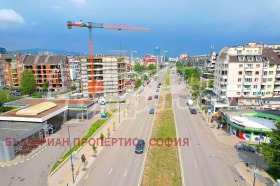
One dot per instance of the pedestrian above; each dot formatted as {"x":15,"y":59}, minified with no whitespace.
{"x":83,"y":158}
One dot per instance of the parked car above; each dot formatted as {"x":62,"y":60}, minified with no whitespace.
{"x":157,"y":90}
{"x":152,"y":111}
{"x":246,"y":146}
{"x":139,"y":149}
{"x":150,"y":98}
{"x":156,"y":96}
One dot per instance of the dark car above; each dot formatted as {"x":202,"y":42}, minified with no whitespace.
{"x":140,"y":146}
{"x":156,"y":96}
{"x":193,"y":111}
{"x":152,"y":111}
{"x":157,"y":90}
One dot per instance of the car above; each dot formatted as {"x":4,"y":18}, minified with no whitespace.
{"x":193,"y":111}
{"x":150,"y":98}
{"x":139,"y":149}
{"x":245,"y":146}
{"x":152,"y":111}
{"x":159,"y":84}
{"x":157,"y":90}
{"x":156,"y":96}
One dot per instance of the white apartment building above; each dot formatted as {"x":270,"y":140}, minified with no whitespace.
{"x":245,"y":75}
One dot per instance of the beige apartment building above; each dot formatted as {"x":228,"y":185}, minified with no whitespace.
{"x":248,"y":77}
{"x":109,"y":76}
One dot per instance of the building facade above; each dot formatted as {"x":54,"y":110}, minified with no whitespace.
{"x":54,"y":69}
{"x":245,"y":75}
{"x":149,"y":59}
{"x":109,"y":73}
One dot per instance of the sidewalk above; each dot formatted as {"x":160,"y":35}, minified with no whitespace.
{"x":263,"y":179}
{"x":63,"y":175}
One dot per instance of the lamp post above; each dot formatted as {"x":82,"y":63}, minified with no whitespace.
{"x":72,"y":166}
{"x":257,"y":158}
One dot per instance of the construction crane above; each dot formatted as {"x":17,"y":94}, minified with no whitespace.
{"x":90,"y":26}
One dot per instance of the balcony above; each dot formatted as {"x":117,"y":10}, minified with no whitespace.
{"x":277,"y":75}
{"x":223,"y":83}
{"x":277,"y":82}
{"x":247,"y":83}
{"x":276,"y":89}
{"x":249,"y":69}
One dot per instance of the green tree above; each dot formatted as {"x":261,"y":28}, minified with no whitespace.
{"x":211,"y":83}
{"x":138,"y":67}
{"x":138,"y":82}
{"x":271,"y":151}
{"x":5,"y":97}
{"x":189,"y":64}
{"x":145,"y":77}
{"x":46,"y":86}
{"x":94,"y":148}
{"x":27,"y":83}
{"x":151,"y":67}
{"x":102,"y":138}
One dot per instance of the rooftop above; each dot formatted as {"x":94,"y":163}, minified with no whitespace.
{"x":28,"y":103}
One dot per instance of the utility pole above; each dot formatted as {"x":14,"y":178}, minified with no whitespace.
{"x":255,"y":173}
{"x":72,"y":166}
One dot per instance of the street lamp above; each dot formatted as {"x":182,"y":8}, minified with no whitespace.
{"x":72,"y":166}
{"x":257,"y":158}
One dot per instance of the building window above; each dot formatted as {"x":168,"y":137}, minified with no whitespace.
{"x":254,"y":93}
{"x":257,"y":73}
{"x":240,"y":73}
{"x":271,"y":66}
{"x":269,"y":79}
{"x":248,"y":79}
{"x":239,"y":51}
{"x":255,"y":86}
{"x":270,"y":72}
{"x":265,"y":73}
{"x":267,"y":93}
{"x":269,"y":86}
{"x":250,"y":58}
{"x":238,"y":86}
{"x":258,"y":58}
{"x":256,"y":79}
{"x":240,"y":58}
{"x":239,"y":79}
{"x":238,"y":93}
{"x":258,"y":65}
{"x":240,"y":65}
{"x":264,"y":80}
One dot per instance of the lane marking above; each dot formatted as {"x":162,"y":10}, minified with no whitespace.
{"x":110,"y":171}
{"x":125,"y":172}
{"x":195,"y":163}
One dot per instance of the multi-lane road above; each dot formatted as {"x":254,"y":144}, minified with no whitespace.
{"x":201,"y":161}
{"x":118,"y":164}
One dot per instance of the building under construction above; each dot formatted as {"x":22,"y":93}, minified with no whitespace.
{"x":109,"y":72}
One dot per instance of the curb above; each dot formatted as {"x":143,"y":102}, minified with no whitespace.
{"x":49,"y":175}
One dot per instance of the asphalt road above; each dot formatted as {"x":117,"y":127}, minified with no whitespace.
{"x":201,"y":161}
{"x":118,"y":164}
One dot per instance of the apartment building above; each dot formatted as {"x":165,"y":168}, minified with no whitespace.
{"x":245,"y":75}
{"x":2,"y":72}
{"x":12,"y":67}
{"x":109,"y":73}
{"x":149,"y":59}
{"x":54,"y":69}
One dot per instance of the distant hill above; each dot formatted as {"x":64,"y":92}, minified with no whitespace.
{"x":35,"y":51}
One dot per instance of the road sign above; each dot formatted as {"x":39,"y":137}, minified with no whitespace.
{"x":103,"y":102}
{"x":256,"y":174}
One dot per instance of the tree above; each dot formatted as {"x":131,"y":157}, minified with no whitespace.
{"x":94,"y":148}
{"x":46,"y":86}
{"x":271,"y":151}
{"x":27,"y":83}
{"x":151,"y":67}
{"x":138,"y":67}
{"x":145,"y":77}
{"x":211,"y":83}
{"x":138,"y":82}
{"x":102,"y":137}
{"x":5,"y":97}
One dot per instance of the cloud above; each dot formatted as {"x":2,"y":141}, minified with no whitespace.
{"x":79,"y":3}
{"x":10,"y":16}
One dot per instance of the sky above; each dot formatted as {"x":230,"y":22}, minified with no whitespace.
{"x":177,"y":26}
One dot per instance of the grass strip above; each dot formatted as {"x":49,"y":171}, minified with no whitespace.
{"x":94,"y":127}
{"x":162,"y":165}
